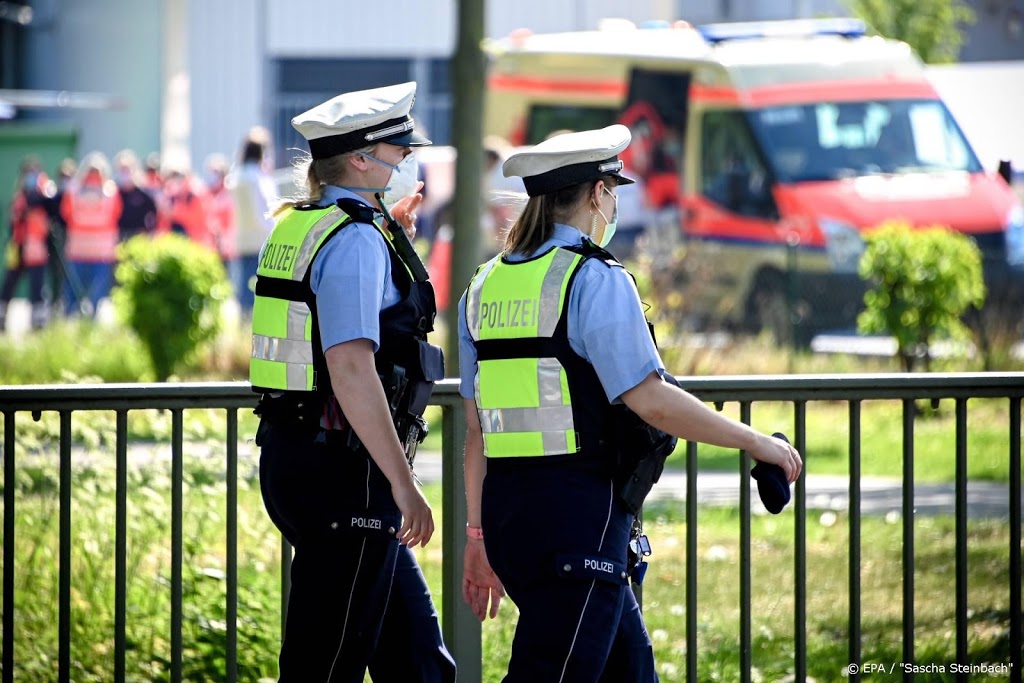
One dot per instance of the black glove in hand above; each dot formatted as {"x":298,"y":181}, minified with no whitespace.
{"x":772,"y":485}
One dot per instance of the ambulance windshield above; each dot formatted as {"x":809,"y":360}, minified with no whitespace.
{"x":835,"y":140}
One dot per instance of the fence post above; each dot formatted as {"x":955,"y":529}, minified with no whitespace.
{"x":459,"y":625}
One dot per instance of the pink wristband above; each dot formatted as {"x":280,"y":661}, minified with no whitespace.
{"x":474,"y":533}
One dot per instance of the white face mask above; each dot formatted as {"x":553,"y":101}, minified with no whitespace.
{"x":403,"y":180}
{"x":609,"y":227}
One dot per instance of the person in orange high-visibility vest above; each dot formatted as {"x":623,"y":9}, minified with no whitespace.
{"x":91,"y":208}
{"x":27,"y":253}
{"x":189,"y":208}
{"x":222,"y":213}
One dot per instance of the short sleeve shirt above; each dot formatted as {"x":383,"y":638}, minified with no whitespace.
{"x":351,"y":278}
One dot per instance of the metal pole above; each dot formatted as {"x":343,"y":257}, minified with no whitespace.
{"x":459,"y":625}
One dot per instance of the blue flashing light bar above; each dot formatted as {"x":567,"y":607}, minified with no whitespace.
{"x":845,"y":27}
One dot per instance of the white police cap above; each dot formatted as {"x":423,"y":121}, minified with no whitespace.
{"x":570,"y":159}
{"x":357,"y":119}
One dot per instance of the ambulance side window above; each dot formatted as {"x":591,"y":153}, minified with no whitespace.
{"x":732,"y":172}
{"x":547,"y":119}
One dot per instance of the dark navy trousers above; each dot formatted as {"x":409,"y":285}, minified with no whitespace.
{"x":556,"y":536}
{"x":358,"y":599}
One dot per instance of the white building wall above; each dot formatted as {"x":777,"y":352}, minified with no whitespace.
{"x":313,"y":28}
{"x":986,"y":100}
{"x":707,"y":11}
{"x":319,"y":28}
{"x":227,"y":64}
{"x":110,"y":47}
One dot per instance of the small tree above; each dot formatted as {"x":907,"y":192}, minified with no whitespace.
{"x":933,"y":28}
{"x":169,"y":291}
{"x":921,"y":282}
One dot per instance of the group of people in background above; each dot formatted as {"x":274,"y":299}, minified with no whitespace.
{"x":64,"y":230}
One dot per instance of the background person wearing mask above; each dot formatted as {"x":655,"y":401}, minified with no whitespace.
{"x":551,"y":334}
{"x":253,"y":189}
{"x":341,"y":357}
{"x":91,"y":207}
{"x":188,"y":209}
{"x":27,"y":253}
{"x":138,"y":215}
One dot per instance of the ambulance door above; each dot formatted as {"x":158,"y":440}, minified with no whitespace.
{"x":731,"y":225}
{"x":655,"y":112}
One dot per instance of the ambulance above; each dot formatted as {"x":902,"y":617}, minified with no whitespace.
{"x":772,"y":146}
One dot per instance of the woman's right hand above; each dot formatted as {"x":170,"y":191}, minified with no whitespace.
{"x":417,"y":519}
{"x":778,"y":452}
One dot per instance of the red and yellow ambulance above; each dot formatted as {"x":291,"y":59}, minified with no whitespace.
{"x":773,"y":145}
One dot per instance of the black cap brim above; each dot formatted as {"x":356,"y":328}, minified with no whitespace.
{"x":621,"y":179}
{"x":409,"y":139}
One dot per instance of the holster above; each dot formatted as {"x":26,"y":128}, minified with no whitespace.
{"x":641,"y":454}
{"x":406,"y":401}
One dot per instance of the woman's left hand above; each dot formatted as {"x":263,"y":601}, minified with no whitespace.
{"x":404,"y":211}
{"x":481,"y":588}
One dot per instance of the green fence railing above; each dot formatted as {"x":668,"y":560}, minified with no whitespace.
{"x":461,"y":630}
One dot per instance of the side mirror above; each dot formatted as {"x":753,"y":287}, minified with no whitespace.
{"x":1006,"y":171}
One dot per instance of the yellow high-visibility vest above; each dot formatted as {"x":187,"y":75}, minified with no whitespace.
{"x":523,"y":399}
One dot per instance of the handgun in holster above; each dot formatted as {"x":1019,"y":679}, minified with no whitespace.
{"x":406,"y":402}
{"x":642,"y":451}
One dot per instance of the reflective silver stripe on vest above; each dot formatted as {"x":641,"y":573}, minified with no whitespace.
{"x":296,"y":378}
{"x":550,"y":290}
{"x":292,"y":349}
{"x":473,"y":300}
{"x":281,"y":350}
{"x":308,"y":248}
{"x":554,"y":443}
{"x":549,"y":383}
{"x":298,"y":314}
{"x":546,"y":419}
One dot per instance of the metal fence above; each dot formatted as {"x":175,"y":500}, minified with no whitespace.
{"x":461,"y":630}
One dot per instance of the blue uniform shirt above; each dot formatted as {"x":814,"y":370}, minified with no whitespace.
{"x":351,"y":278}
{"x":606,"y":324}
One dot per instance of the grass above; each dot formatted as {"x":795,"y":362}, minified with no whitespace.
{"x":148,"y":560}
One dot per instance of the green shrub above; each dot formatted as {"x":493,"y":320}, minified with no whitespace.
{"x":170,"y":292}
{"x":72,"y":351}
{"x":920,"y":283}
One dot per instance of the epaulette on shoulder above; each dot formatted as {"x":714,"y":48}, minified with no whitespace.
{"x":357,"y":211}
{"x":589,"y":250}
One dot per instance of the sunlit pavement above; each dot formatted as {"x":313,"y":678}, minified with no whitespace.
{"x":824,"y":493}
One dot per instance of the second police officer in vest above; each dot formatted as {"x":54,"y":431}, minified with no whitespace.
{"x":551,"y":333}
{"x":341,"y":357}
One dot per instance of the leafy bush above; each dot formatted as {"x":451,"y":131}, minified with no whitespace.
{"x":70,"y":351}
{"x":921,"y":282}
{"x":170,"y":291}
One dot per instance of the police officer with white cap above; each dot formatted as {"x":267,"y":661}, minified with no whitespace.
{"x":552,"y":334}
{"x":341,"y":358}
